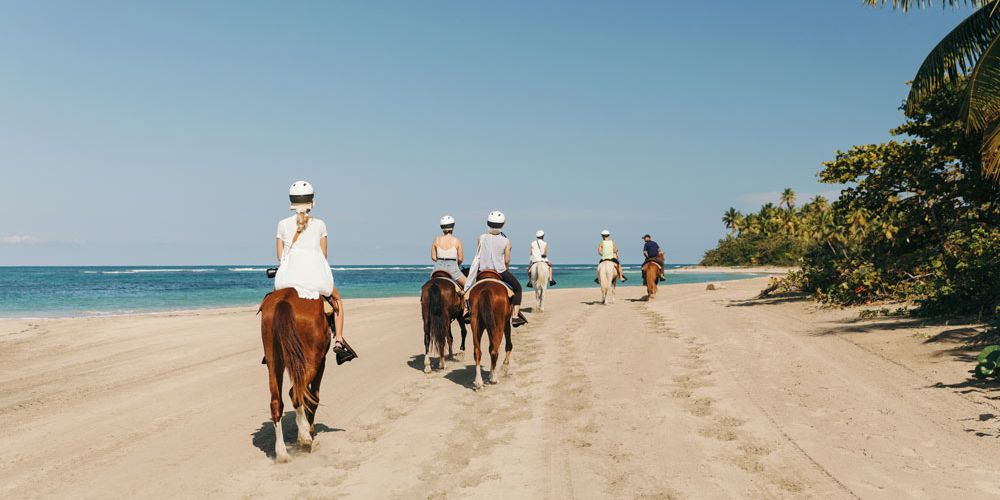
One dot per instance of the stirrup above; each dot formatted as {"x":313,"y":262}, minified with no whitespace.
{"x":343,"y":352}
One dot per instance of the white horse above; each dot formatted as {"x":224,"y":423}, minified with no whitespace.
{"x":539,"y":276}
{"x":607,"y":273}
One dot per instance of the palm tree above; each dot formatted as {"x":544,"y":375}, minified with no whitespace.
{"x":820,"y":203}
{"x":972,"y":50}
{"x":788,"y":198}
{"x":733,"y":220}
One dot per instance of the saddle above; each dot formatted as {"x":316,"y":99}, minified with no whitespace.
{"x":489,"y":275}
{"x":649,"y":260}
{"x":445,"y":275}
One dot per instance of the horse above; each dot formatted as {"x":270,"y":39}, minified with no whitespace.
{"x":607,"y":273}
{"x":491,"y":312}
{"x":650,"y":277}
{"x":539,"y":276}
{"x":440,"y":304}
{"x":296,"y":337}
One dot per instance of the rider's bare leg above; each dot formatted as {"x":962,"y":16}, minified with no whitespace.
{"x":621,"y":276}
{"x":338,"y":315}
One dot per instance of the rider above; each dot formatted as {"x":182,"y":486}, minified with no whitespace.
{"x":493,"y":253}
{"x":609,"y":251}
{"x":302,"y":253}
{"x":446,"y":252}
{"x":540,"y":254}
{"x":653,"y":252}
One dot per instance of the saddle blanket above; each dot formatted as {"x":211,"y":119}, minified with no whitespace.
{"x":458,"y":288}
{"x":510,"y":293}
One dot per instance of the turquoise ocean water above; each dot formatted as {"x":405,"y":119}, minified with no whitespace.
{"x":27,"y":292}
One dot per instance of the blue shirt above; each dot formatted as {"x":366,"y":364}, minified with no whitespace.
{"x":651,"y":248}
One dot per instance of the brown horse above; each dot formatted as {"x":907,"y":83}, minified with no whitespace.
{"x":440,"y":304}
{"x":650,"y":277}
{"x":491,"y":312}
{"x":296,"y":337}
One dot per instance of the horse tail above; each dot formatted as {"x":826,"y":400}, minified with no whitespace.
{"x":485,"y":310}
{"x":439,"y":323}
{"x":290,"y":346}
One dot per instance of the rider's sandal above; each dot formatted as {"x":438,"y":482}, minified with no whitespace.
{"x":518,"y":320}
{"x":597,"y":280}
{"x":552,"y":283}
{"x":530,"y":285}
{"x":343,"y":352}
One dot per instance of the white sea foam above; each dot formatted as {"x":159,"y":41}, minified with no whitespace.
{"x":139,"y":271}
{"x":247,"y":269}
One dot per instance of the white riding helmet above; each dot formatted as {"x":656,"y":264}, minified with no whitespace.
{"x":605,"y":233}
{"x":301,"y":195}
{"x":447,"y":221}
{"x":496,"y":219}
{"x":540,"y":234}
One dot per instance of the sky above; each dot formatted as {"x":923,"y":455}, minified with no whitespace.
{"x":167,"y":133}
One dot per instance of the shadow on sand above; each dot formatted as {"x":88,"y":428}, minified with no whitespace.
{"x":770,"y":301}
{"x":263,"y":437}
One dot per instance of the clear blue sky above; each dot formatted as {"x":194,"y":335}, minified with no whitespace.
{"x":168,"y":132}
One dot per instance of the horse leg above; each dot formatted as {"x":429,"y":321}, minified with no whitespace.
{"x":302,"y":423}
{"x":427,"y":345}
{"x":314,"y":389}
{"x":495,"y":353}
{"x":441,"y":345}
{"x":477,"y":352}
{"x":276,"y":372}
{"x":451,"y":338}
{"x":508,"y":347}
{"x":461,"y":348}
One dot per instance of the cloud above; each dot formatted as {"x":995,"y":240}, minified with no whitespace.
{"x":19,"y":239}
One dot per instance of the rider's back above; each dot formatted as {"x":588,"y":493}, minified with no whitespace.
{"x":491,"y":252}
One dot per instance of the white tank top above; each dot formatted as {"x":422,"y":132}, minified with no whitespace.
{"x":447,"y":253}
{"x":538,"y":249}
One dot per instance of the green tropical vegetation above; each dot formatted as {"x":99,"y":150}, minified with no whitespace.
{"x":916,"y":219}
{"x":988,"y":362}
{"x":971,"y":51}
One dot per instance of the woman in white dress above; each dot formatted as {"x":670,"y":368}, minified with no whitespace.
{"x":302,"y":254}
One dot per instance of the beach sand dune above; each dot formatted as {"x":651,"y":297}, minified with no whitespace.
{"x":698,"y":394}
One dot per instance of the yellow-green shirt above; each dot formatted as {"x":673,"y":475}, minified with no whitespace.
{"x":607,"y":249}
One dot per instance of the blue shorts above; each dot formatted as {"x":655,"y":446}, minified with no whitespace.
{"x":449,"y":265}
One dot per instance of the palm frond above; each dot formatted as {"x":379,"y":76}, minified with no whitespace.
{"x":982,"y":104}
{"x":991,"y":152}
{"x":956,"y":54}
{"x":906,"y":5}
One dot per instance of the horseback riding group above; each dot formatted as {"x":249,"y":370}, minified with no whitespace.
{"x":305,"y":308}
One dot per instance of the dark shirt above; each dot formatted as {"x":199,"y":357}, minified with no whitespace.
{"x":651,"y":248}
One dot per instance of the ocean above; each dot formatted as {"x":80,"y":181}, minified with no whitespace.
{"x":51,"y":292}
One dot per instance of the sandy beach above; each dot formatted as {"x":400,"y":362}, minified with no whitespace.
{"x":699,"y":394}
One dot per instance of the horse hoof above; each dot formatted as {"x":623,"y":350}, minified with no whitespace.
{"x":460,"y":356}
{"x":427,"y":369}
{"x":477,"y":386}
{"x":306,"y":446}
{"x":282,"y":459}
